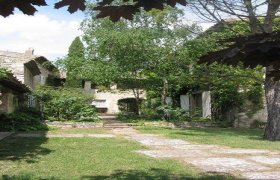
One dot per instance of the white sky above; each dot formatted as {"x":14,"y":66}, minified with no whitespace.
{"x":49,"y":37}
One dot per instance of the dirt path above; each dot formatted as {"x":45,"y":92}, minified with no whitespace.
{"x":245,"y":163}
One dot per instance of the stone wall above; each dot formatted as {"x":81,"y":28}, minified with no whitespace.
{"x":8,"y":104}
{"x":187,"y":102}
{"x":181,"y":124}
{"x":244,"y":121}
{"x":112,"y":98}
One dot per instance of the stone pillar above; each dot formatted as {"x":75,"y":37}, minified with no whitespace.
{"x":168,"y":101}
{"x":185,"y":102}
{"x":206,"y":104}
{"x":87,"y":86}
{"x":113,"y":86}
{"x":29,"y":52}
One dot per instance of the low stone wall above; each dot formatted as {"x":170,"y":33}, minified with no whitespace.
{"x":181,"y":124}
{"x":75,"y":124}
{"x":244,"y":121}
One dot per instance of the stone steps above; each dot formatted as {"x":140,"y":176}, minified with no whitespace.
{"x":116,"y":125}
{"x":110,"y":122}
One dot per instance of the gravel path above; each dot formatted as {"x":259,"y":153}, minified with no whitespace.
{"x":245,"y":163}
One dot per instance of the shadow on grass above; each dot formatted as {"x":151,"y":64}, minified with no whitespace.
{"x":25,"y":177}
{"x":28,"y":149}
{"x":153,"y":174}
{"x":246,"y":133}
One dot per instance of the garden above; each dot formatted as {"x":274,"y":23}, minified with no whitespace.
{"x":156,"y":54}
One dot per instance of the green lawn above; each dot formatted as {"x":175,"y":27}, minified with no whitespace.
{"x":232,"y":137}
{"x":86,"y":158}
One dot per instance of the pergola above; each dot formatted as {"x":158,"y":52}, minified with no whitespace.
{"x":259,"y":49}
{"x":252,"y":50}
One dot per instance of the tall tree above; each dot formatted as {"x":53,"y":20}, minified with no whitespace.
{"x":143,"y":50}
{"x":74,"y":63}
{"x":260,"y":16}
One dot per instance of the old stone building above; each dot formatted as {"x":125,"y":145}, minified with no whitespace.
{"x":200,"y":100}
{"x":29,"y":69}
{"x":12,"y":93}
{"x":107,"y":101}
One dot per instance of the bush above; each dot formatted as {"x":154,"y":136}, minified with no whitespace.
{"x":258,"y":124}
{"x":65,"y":104}
{"x":22,"y":120}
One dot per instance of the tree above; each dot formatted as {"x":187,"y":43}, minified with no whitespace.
{"x":121,"y":48}
{"x":143,"y":51}
{"x":74,"y":63}
{"x":259,"y":20}
{"x":111,"y":8}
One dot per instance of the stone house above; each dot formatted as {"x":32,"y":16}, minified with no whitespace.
{"x":199,"y":101}
{"x":107,"y":101}
{"x":29,"y":69}
{"x":12,"y":93}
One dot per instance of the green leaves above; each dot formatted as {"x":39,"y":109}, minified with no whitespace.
{"x":74,"y":63}
{"x":65,"y":103}
{"x":3,"y":72}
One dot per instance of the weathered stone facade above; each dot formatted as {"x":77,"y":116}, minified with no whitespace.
{"x":199,"y":100}
{"x":26,"y":67}
{"x":11,"y":94}
{"x":107,"y":101}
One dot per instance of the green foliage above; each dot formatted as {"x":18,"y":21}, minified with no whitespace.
{"x":157,"y":52}
{"x":3,"y":72}
{"x":23,"y":119}
{"x":49,"y":66}
{"x":230,"y":86}
{"x":73,"y":63}
{"x":140,"y":54}
{"x":65,"y":104}
{"x":53,"y":80}
{"x":259,"y":124}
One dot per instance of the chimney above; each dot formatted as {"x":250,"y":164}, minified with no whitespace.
{"x":29,"y":52}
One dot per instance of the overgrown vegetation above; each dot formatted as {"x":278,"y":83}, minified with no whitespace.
{"x":3,"y":72}
{"x":65,"y":104}
{"x":23,"y":119}
{"x":163,"y":63}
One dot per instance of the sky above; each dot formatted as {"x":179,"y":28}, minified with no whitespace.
{"x":50,"y":31}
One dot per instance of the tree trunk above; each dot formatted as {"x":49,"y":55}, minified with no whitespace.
{"x":136,"y":94}
{"x":164,"y":92}
{"x":272,"y":93}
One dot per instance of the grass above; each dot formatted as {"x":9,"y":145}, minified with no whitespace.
{"x":86,"y":158}
{"x":231,"y":137}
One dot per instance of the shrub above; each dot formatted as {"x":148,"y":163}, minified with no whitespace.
{"x":258,"y":124}
{"x":22,"y":120}
{"x":65,"y":104}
